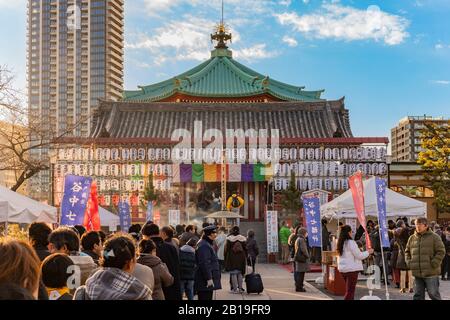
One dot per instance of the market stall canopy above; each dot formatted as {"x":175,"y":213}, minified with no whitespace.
{"x":396,"y":204}
{"x":108,"y":219}
{"x":225,"y":214}
{"x":17,"y":208}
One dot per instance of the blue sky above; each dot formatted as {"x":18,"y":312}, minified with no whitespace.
{"x":388,"y":58}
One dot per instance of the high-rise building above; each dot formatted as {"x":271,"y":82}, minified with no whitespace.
{"x":406,"y":142}
{"x":75,"y":58}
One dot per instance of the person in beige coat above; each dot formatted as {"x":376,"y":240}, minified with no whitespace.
{"x":161,"y":275}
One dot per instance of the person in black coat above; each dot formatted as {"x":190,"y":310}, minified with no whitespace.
{"x":207,"y":275}
{"x":38,"y":233}
{"x":187,"y":268}
{"x":252,"y":249}
{"x":169,"y":255}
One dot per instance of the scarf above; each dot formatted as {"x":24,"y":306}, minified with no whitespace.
{"x":55,"y":294}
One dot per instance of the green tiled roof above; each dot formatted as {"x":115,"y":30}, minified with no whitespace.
{"x":221,"y":77}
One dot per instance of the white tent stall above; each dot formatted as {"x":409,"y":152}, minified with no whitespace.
{"x":17,"y":208}
{"x":396,"y":204}
{"x":108,"y":219}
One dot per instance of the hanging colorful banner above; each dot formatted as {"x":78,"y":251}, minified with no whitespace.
{"x":272,"y":231}
{"x":312,"y":213}
{"x":247,"y":173}
{"x":380,"y":185}
{"x":125,"y":216}
{"x":356,"y":185}
{"x":92,"y":216}
{"x":185,"y":173}
{"x":76,"y":195}
{"x":197,"y":173}
{"x":149,"y":211}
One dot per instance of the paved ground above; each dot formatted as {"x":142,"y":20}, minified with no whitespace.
{"x":279,"y":285}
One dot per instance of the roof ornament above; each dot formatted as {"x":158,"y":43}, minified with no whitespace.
{"x":222,"y":34}
{"x":266,"y":82}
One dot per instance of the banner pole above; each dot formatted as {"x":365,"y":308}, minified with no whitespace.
{"x":384,"y":266}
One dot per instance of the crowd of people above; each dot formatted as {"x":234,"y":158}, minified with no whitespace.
{"x":147,"y":263}
{"x":417,"y":255}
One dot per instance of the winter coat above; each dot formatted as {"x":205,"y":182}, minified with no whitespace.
{"x":252,"y":248}
{"x":187,"y":263}
{"x":424,"y":254}
{"x":145,"y":275}
{"x":400,"y":243}
{"x":42,"y":252}
{"x":394,"y":250}
{"x":351,"y":258}
{"x":93,"y":255}
{"x":185,"y":237}
{"x":86,"y":264}
{"x":161,"y":274}
{"x":169,"y":255}
{"x":285,"y":232}
{"x":220,"y":241}
{"x":113,"y":284}
{"x":446,"y":244}
{"x":234,"y":260}
{"x":325,"y":238}
{"x":300,"y":244}
{"x":207,"y":267}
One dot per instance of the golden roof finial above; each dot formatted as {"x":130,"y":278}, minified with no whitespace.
{"x":222,"y":35}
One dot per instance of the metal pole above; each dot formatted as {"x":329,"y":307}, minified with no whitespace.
{"x":384,"y":266}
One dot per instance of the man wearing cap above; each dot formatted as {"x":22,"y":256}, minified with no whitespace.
{"x":207,"y":275}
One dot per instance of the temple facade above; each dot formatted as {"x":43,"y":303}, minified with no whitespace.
{"x":141,"y":134}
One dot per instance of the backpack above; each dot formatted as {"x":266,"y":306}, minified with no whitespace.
{"x":237,"y":247}
{"x":292,"y":246}
{"x":235,"y":203}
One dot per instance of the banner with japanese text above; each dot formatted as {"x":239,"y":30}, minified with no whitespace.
{"x":272,"y":231}
{"x":380,"y":185}
{"x":312,"y":213}
{"x":357,"y":188}
{"x":76,"y":195}
{"x":125,"y":216}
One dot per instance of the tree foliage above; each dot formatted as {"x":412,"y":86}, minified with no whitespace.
{"x":26,"y":137}
{"x":291,"y":201}
{"x":150,"y":193}
{"x":435,"y":162}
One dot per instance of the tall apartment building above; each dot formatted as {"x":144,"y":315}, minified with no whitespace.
{"x":75,"y":57}
{"x":405,"y":137}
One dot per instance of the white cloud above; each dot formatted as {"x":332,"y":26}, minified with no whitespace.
{"x":348,"y":23}
{"x":255,"y":52}
{"x":156,"y":7}
{"x":189,"y":39}
{"x":440,"y":46}
{"x":286,"y":3}
{"x":305,"y":1}
{"x":442,"y":82}
{"x":291,"y":42}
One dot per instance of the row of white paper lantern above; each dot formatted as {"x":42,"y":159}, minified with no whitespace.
{"x":113,"y":169}
{"x":312,"y":183}
{"x":164,"y":154}
{"x":331,"y":169}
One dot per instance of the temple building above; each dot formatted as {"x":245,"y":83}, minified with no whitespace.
{"x":132,"y":138}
